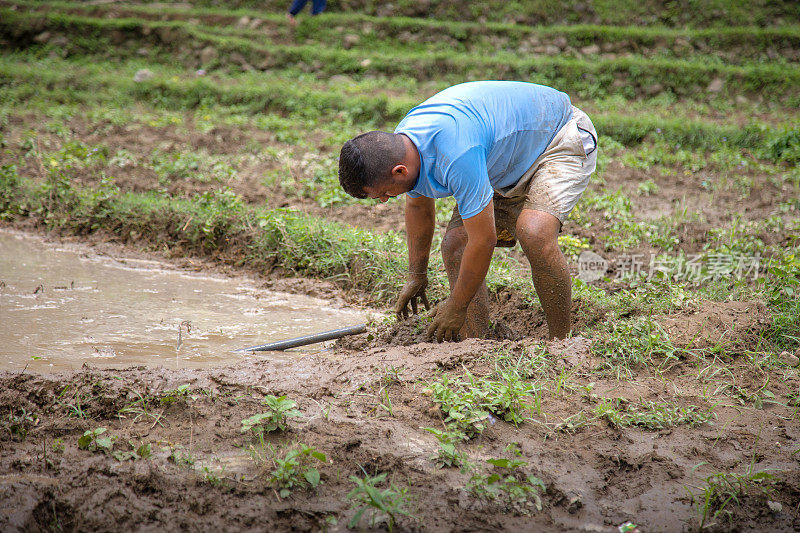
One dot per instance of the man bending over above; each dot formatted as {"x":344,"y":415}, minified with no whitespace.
{"x":516,"y":157}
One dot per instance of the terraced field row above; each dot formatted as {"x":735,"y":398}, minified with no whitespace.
{"x":731,"y":45}
{"x":683,"y":13}
{"x":78,"y":82}
{"x":195,"y":45}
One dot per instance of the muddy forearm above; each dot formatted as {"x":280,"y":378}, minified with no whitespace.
{"x":474,"y":266}
{"x":420,"y":221}
{"x":481,"y":240}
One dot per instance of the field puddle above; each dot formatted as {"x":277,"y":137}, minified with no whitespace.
{"x":62,"y":306}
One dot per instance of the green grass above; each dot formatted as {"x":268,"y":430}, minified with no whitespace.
{"x":207,"y":223}
{"x":628,"y":345}
{"x":722,"y":491}
{"x":592,"y":78}
{"x":405,"y":33}
{"x":172,"y":91}
{"x":648,"y":415}
{"x":691,"y":13}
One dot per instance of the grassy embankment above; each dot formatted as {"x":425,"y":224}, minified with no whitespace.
{"x":691,"y":13}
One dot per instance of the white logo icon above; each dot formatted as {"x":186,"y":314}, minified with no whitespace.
{"x":591,"y":266}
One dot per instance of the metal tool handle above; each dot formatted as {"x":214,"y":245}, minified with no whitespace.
{"x":308,"y":339}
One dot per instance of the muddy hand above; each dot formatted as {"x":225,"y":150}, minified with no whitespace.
{"x":413,"y":290}
{"x":447,"y":321}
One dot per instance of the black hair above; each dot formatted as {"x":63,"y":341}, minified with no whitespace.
{"x":368,"y":159}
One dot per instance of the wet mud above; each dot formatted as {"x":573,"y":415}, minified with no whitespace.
{"x":597,"y":477}
{"x":201,"y":474}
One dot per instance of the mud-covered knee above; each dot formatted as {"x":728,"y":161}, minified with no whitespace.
{"x":453,"y":243}
{"x":535,"y":242}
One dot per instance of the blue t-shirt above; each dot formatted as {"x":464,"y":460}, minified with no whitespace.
{"x":481,"y":136}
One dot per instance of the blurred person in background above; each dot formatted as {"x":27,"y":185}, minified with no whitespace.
{"x":317,"y":7}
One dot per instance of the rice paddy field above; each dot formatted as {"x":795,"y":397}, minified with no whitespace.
{"x":206,"y":134}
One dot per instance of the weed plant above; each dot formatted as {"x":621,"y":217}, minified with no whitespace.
{"x":177,"y":395}
{"x":181,"y":456}
{"x":448,"y":454}
{"x":626,"y":345}
{"x":95,"y":440}
{"x":648,"y":415}
{"x":74,"y":405}
{"x":469,"y":403}
{"x":280,"y":410}
{"x":141,"y":408}
{"x":293,"y":471}
{"x":19,"y":424}
{"x":211,"y":477}
{"x":135,"y":453}
{"x":508,"y":485}
{"x":782,"y":289}
{"x":381,"y":506}
{"x":196,"y":166}
{"x":721,"y":491}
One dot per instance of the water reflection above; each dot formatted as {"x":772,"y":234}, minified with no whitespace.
{"x":62,"y":306}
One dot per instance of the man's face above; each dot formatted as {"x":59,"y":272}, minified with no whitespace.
{"x":384,"y":191}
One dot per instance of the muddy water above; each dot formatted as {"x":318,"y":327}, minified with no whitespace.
{"x":62,"y":306}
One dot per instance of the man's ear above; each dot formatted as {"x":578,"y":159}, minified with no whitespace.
{"x":400,"y":170}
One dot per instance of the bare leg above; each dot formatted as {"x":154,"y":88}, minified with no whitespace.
{"x":537,"y":232}
{"x":477,"y":324}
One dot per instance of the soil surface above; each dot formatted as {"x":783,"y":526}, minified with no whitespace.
{"x":364,"y":403}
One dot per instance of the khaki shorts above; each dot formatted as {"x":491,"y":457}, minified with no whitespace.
{"x":553,"y":184}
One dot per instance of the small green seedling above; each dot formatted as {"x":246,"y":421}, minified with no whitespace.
{"x":280,"y":409}
{"x":180,"y":456}
{"x":448,"y":455}
{"x":212,"y":478}
{"x":73,"y":409}
{"x":385,"y":505}
{"x":135,"y":453}
{"x":94,"y":441}
{"x":722,"y":490}
{"x":175,"y":395}
{"x":293,"y":471}
{"x":17,"y":425}
{"x":140,"y":408}
{"x":508,"y":485}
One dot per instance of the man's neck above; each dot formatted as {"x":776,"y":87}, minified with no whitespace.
{"x":412,"y":159}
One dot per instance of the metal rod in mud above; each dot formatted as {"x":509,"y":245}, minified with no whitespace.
{"x":308,"y":339}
